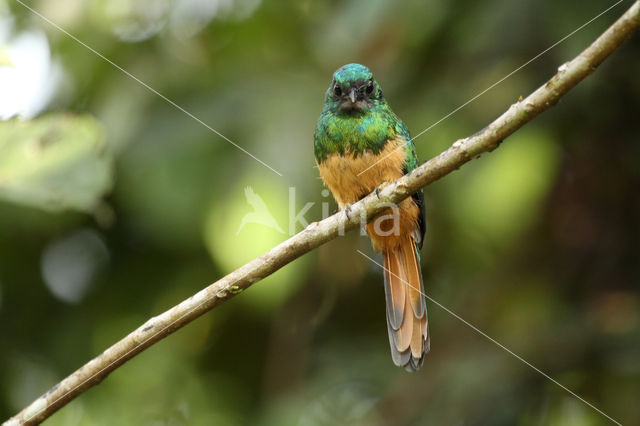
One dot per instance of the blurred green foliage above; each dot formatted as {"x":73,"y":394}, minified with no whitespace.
{"x":54,"y":163}
{"x":115,"y":206}
{"x":4,"y":59}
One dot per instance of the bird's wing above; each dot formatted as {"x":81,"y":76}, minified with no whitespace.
{"x":410,"y":163}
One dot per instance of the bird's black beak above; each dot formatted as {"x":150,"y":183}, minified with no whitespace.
{"x":352,"y":95}
{"x":353,"y":100}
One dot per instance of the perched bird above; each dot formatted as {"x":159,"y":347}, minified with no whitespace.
{"x":360,"y":144}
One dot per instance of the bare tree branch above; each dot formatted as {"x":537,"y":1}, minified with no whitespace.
{"x":318,"y":233}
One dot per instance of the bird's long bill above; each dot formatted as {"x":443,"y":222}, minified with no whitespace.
{"x":352,"y":95}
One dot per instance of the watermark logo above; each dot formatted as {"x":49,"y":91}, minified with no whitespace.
{"x":385,"y":224}
{"x":260,"y":214}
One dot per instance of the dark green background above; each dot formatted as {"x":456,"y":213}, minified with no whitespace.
{"x":536,"y":244}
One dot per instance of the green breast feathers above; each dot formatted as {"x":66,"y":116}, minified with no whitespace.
{"x":342,"y":133}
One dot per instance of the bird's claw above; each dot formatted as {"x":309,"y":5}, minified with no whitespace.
{"x":378,"y":189}
{"x":347,"y":209}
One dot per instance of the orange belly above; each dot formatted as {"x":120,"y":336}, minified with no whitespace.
{"x":340,"y":174}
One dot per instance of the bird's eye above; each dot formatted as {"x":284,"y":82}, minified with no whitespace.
{"x":337,"y":90}
{"x":369,"y":87}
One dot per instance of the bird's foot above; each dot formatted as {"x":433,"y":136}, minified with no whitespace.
{"x":380,"y":188}
{"x":347,"y":209}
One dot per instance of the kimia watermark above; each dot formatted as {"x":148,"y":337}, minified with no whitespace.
{"x":385,"y":224}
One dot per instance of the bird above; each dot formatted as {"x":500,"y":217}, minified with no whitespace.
{"x":360,"y":145}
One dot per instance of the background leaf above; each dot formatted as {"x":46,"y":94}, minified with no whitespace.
{"x":54,"y":162}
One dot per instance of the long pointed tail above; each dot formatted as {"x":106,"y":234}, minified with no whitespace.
{"x":406,"y":310}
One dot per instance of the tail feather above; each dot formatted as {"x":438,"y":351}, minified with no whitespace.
{"x":414,"y":276}
{"x":394,"y":295}
{"x":404,"y":335}
{"x":406,"y":310}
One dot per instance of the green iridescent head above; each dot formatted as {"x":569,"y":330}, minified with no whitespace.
{"x":353,"y":89}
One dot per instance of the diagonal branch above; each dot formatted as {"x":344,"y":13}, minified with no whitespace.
{"x":318,"y":233}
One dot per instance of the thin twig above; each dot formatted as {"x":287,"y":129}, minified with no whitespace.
{"x":318,"y":233}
